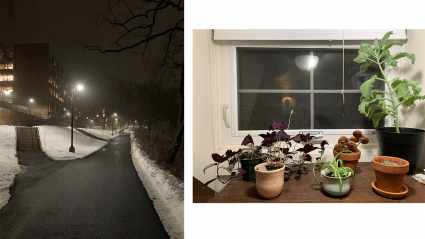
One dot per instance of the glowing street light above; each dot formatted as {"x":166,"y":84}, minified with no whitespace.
{"x":29,"y":106}
{"x":79,"y":87}
{"x":112,"y":123}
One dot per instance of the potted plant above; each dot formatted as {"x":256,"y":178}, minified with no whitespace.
{"x":390,"y":173}
{"x":270,"y":175}
{"x":251,"y":158}
{"x":352,"y":156}
{"x":231,"y":157}
{"x":336,"y":177}
{"x":394,"y":141}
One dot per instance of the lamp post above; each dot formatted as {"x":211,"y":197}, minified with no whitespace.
{"x":29,"y":105}
{"x":72,"y":149}
{"x":112,"y":124}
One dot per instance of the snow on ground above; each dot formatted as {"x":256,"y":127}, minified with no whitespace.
{"x":104,"y":134}
{"x":9,"y":166}
{"x":165,"y":190}
{"x":56,"y":141}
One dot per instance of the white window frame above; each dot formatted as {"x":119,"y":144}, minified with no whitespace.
{"x":229,"y":97}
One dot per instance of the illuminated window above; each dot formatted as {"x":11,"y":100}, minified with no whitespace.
{"x":6,"y":77}
{"x":6,"y":66}
{"x":103,"y":115}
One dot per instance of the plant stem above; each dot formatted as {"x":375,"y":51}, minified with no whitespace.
{"x":394,"y":105}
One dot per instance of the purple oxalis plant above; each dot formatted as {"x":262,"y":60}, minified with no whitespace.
{"x":232,"y":158}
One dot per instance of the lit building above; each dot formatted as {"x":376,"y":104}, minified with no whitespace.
{"x":35,"y":81}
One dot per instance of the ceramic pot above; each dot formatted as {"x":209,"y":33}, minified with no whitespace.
{"x":389,"y":178}
{"x":331,"y":185}
{"x":350,"y":159}
{"x":248,"y":165}
{"x":406,"y":145}
{"x":269,"y":183}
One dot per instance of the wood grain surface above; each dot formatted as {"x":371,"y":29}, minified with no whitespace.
{"x":298,"y":189}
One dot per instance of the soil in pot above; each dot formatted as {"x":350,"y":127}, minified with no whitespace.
{"x":350,"y":159}
{"x":389,"y":178}
{"x":406,"y":145}
{"x":248,"y":164}
{"x":270,"y":183}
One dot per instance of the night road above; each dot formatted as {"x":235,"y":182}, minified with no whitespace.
{"x":97,"y":197}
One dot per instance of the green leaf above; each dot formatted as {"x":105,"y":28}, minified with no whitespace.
{"x":390,"y":60}
{"x":375,"y":42}
{"x":372,"y":108}
{"x":405,"y":54}
{"x":366,"y":87}
{"x":362,"y":57}
{"x":362,"y":107}
{"x":385,"y":54}
{"x":389,"y":45}
{"x":364,"y":47}
{"x":377,"y":117}
{"x":385,"y":39}
{"x":366,"y":65}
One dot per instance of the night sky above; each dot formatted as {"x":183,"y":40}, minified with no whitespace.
{"x":63,"y":24}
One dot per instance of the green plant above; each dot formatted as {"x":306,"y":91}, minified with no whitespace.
{"x":372,"y":99}
{"x":335,"y":168}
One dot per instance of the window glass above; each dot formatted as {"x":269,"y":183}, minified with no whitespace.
{"x":271,"y":82}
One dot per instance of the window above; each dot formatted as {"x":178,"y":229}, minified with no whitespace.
{"x":6,"y":77}
{"x":272,"y":82}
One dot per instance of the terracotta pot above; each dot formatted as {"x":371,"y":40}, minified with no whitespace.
{"x":331,"y":185}
{"x":269,"y":183}
{"x":350,"y":159}
{"x":389,"y":178}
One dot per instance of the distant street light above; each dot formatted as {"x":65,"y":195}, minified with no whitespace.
{"x":79,"y":87}
{"x":29,"y":106}
{"x":112,"y":123}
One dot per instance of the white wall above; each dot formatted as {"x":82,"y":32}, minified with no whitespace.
{"x":414,"y":117}
{"x":204,"y":98}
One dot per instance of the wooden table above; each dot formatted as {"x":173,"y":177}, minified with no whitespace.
{"x":298,"y":189}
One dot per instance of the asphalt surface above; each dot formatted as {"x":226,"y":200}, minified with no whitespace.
{"x":100,"y":196}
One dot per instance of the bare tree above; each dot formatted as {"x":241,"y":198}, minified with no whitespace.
{"x":151,"y":28}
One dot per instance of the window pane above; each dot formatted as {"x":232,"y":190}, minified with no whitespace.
{"x":271,"y":69}
{"x":328,"y":112}
{"x":256,"y":111}
{"x":328,"y":72}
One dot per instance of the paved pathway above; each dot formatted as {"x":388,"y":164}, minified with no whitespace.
{"x":97,"y":197}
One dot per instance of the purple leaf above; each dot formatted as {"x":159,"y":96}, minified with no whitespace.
{"x":206,"y":184}
{"x":297,"y":138}
{"x":306,"y":138}
{"x":324,"y":142}
{"x":239,"y":151}
{"x":307,"y":157}
{"x":281,"y":135}
{"x":285,"y":150}
{"x":273,"y":125}
{"x":218,"y":158}
{"x":307,"y":148}
{"x":241,"y":170}
{"x":282,"y":126}
{"x":247,"y":140}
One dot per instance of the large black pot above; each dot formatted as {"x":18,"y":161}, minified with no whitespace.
{"x":249,"y":165}
{"x":406,"y":145}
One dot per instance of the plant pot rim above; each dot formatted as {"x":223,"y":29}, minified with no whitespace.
{"x":321,"y":172}
{"x":393,"y":169}
{"x":353,"y":153}
{"x":384,"y":129}
{"x":269,"y":172}
{"x":404,"y":191}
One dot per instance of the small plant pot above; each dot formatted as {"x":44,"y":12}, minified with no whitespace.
{"x":350,"y":159}
{"x":331,"y":185}
{"x":269,"y":183}
{"x":248,"y":165}
{"x":389,"y":178}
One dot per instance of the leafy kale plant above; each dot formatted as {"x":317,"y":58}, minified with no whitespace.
{"x":334,"y":169}
{"x":372,"y":102}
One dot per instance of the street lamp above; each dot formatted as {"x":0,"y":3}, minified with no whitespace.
{"x":29,"y":106}
{"x":72,"y":149}
{"x":112,"y":123}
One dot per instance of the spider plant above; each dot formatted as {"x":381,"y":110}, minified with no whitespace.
{"x":336,"y":168}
